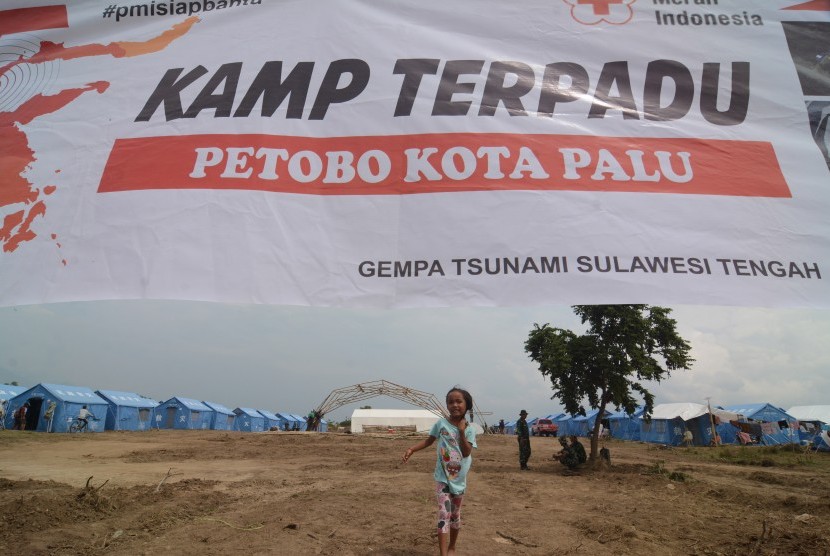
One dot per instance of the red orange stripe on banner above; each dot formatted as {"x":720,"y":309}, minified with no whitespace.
{"x":32,"y":19}
{"x":417,"y":164}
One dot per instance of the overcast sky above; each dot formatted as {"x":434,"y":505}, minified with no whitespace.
{"x":291,"y":358}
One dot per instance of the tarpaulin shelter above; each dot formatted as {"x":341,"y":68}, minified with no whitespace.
{"x":271,"y":419}
{"x":668,"y":423}
{"x":811,"y":417}
{"x":565,"y":424}
{"x":128,"y":411}
{"x":7,"y":392}
{"x":286,"y":421}
{"x":583,"y":425}
{"x":771,"y":424}
{"x":67,"y":400}
{"x":624,"y":426}
{"x":248,"y":420}
{"x":222,"y":418}
{"x":421,"y":419}
{"x":301,"y":421}
{"x":183,"y":413}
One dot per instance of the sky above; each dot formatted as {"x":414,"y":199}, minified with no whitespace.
{"x":290,"y":358}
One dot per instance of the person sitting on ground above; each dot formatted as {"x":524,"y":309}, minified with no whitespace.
{"x":578,"y":449}
{"x":566,"y":455}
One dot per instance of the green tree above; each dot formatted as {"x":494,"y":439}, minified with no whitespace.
{"x":623,"y":346}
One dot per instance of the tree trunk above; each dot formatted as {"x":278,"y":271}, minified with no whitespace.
{"x":593,"y":459}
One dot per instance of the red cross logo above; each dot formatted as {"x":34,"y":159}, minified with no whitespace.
{"x":601,"y":7}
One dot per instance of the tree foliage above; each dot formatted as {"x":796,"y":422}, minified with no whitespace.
{"x":623,"y":347}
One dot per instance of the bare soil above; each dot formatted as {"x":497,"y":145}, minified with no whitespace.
{"x":212,"y":492}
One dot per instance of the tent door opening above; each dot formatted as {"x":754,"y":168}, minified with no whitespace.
{"x":171,"y":417}
{"x":33,"y":415}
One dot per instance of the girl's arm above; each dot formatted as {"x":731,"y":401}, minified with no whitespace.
{"x":419,"y":446}
{"x":463,"y":443}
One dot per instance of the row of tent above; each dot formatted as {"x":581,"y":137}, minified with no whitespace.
{"x":760,"y":423}
{"x":53,"y":408}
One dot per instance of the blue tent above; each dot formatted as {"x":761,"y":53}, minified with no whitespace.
{"x":286,"y":421}
{"x":300,"y":420}
{"x":271,"y":420}
{"x":222,"y":418}
{"x":128,"y":411}
{"x":510,"y":427}
{"x":565,"y":423}
{"x":65,"y":402}
{"x":583,"y":425}
{"x":624,"y":426}
{"x":821,"y":442}
{"x":7,"y":392}
{"x":183,"y":413}
{"x":669,"y":422}
{"x":248,"y":420}
{"x":773,"y":424}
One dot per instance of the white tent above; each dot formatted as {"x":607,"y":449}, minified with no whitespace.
{"x":392,"y":418}
{"x":811,"y":412}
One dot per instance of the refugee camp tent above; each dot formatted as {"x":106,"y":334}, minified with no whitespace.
{"x":814,"y":423}
{"x":271,"y":420}
{"x":770,"y":424}
{"x":816,"y":415}
{"x":670,"y":421}
{"x":128,"y":411}
{"x":565,"y":424}
{"x":300,"y":421}
{"x":624,"y":426}
{"x":7,"y":392}
{"x":183,"y":413}
{"x":821,"y":441}
{"x":248,"y":420}
{"x":583,"y":425}
{"x":64,"y":401}
{"x":222,"y":418}
{"x":510,"y":427}
{"x":286,"y":421}
{"x":386,"y":419}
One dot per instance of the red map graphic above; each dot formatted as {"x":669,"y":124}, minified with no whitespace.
{"x":16,"y":156}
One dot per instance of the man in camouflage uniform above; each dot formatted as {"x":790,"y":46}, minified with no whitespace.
{"x":578,"y":450}
{"x":567,"y":456}
{"x":523,"y":434}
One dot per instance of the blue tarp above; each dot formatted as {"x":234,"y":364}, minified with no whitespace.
{"x":271,"y":420}
{"x":248,"y":420}
{"x":222,"y":418}
{"x":66,"y":402}
{"x":183,"y":413}
{"x":128,"y":411}
{"x":777,"y":426}
{"x":624,"y":426}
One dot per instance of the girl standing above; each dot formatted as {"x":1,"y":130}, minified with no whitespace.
{"x":456,"y":440}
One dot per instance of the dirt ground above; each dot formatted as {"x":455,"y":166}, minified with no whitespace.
{"x":213,"y":492}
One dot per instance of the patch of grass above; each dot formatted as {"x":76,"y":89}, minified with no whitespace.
{"x":763,"y":456}
{"x":659,"y":468}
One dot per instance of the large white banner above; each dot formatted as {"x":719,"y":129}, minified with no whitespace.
{"x":389,"y":153}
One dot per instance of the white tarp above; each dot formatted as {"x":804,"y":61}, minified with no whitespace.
{"x":420,"y":418}
{"x":398,"y":154}
{"x":811,"y":412}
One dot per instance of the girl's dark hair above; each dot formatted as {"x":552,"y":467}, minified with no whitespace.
{"x":468,"y":399}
